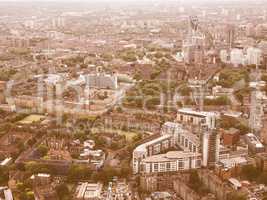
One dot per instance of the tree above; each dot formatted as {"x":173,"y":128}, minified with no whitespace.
{"x":250,"y":172}
{"x":31,"y":142}
{"x":62,"y":191}
{"x":137,"y":137}
{"x":263,"y":178}
{"x":42,"y":150}
{"x":34,"y":168}
{"x":196,"y":184}
{"x":236,"y":196}
{"x":30,"y":195}
{"x":77,"y":173}
{"x":20,"y":166}
{"x":3,"y":175}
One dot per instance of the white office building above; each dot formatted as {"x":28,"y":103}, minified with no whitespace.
{"x":237,"y":57}
{"x":198,"y":118}
{"x":224,"y":56}
{"x":151,"y":148}
{"x":171,"y":162}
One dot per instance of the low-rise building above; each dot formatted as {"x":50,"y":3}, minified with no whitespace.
{"x":261,"y":161}
{"x":254,"y":144}
{"x":230,"y":137}
{"x":6,"y":193}
{"x":89,"y":191}
{"x":171,"y":162}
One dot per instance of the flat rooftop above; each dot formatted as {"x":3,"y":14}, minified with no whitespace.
{"x":142,"y":147}
{"x":189,"y":111}
{"x":171,"y":156}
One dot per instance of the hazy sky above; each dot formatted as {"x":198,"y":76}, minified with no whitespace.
{"x":128,"y":0}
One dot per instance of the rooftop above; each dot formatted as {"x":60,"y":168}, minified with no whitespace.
{"x":171,"y":155}
{"x":142,"y":147}
{"x":254,"y":140}
{"x":196,"y":113}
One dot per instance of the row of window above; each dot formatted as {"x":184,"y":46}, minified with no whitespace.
{"x":186,"y":143}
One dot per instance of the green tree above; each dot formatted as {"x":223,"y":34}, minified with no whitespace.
{"x":250,"y":172}
{"x":77,"y":173}
{"x":3,"y":175}
{"x":63,"y":191}
{"x":42,"y":150}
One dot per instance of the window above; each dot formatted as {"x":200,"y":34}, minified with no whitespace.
{"x":156,"y":167}
{"x":162,"y":167}
{"x":198,"y":163}
{"x":168,"y":166}
{"x":186,"y":143}
{"x":190,"y":146}
{"x":194,"y":148}
{"x":180,"y":165}
{"x":191,"y":119}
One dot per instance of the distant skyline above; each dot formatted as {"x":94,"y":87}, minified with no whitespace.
{"x":131,"y":0}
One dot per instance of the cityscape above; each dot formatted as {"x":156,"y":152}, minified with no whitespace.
{"x":133,"y":100}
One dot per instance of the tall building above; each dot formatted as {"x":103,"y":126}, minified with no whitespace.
{"x":256,"y":111}
{"x":263,"y":47}
{"x":198,"y":148}
{"x":210,"y":147}
{"x":254,"y":56}
{"x":230,"y":35}
{"x":193,"y":45}
{"x":263,"y":133}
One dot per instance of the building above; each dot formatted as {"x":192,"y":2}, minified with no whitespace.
{"x":172,"y":161}
{"x":237,"y":57}
{"x":41,"y":179}
{"x":210,"y":147}
{"x":198,"y":118}
{"x":161,"y":196}
{"x":6,"y":193}
{"x":151,"y":148}
{"x":230,"y":167}
{"x":230,"y":137}
{"x":6,"y":161}
{"x":102,"y":81}
{"x":254,"y":144}
{"x":261,"y":161}
{"x":193,"y":45}
{"x":261,"y":30}
{"x":182,"y":137}
{"x":89,"y":191}
{"x":224,"y":56}
{"x":158,"y":181}
{"x":188,"y":141}
{"x":254,"y":56}
{"x":176,"y":135}
{"x":263,"y":47}
{"x":230,"y":35}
